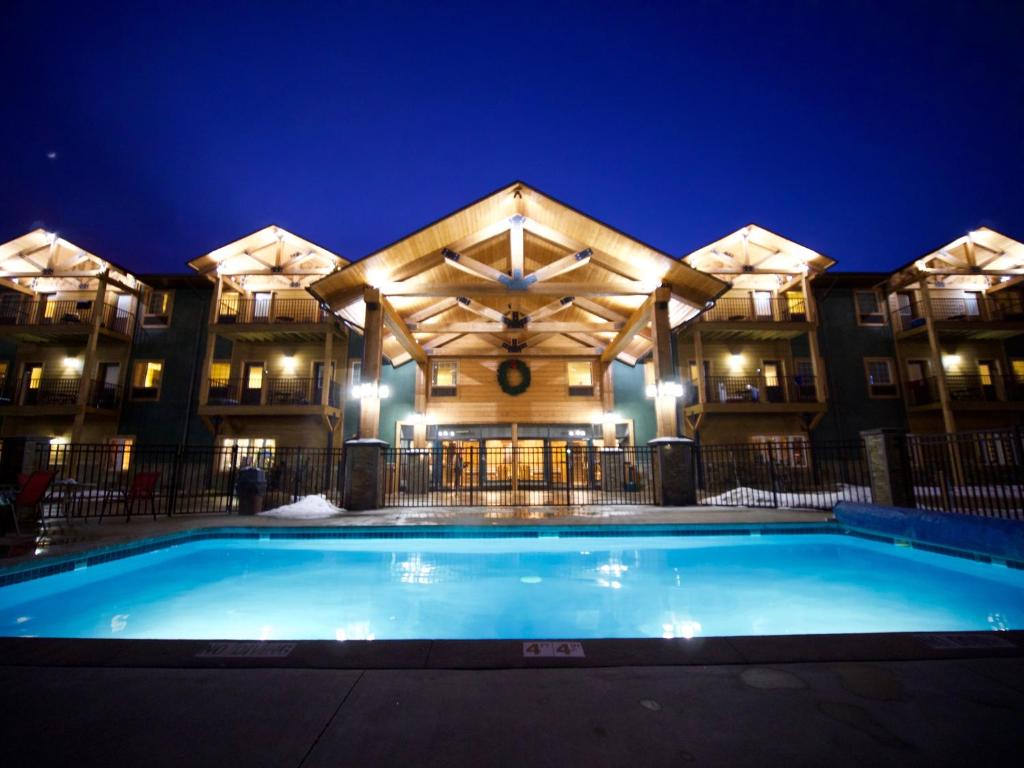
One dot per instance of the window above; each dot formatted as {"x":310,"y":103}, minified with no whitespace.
{"x":355,"y":374}
{"x":580,"y":377}
{"x":220,"y":370}
{"x":158,"y":309}
{"x":869,"y":308}
{"x":796,"y":306}
{"x":881,"y":383}
{"x":121,"y":453}
{"x":228,"y":312}
{"x":444,"y":376}
{"x":1017,"y":366}
{"x":3,"y":373}
{"x":763,"y":305}
{"x":58,"y":451}
{"x":146,"y":378}
{"x":247,"y":452}
{"x":782,"y":450}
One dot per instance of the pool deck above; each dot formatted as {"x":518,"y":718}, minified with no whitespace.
{"x":888,"y":713}
{"x":899,"y":699}
{"x":88,"y":534}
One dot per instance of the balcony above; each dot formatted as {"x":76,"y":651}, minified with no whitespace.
{"x":983,"y":316}
{"x":61,"y":393}
{"x":966,"y":390}
{"x":765,"y":317}
{"x":754,"y":391}
{"x":272,"y":311}
{"x":273,"y":393}
{"x":68,"y":317}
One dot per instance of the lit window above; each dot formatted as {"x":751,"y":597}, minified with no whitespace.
{"x":121,"y":453}
{"x":228,"y":307}
{"x":1018,"y":369}
{"x":869,"y":308}
{"x":158,"y":310}
{"x":796,"y":306}
{"x":581,"y":378}
{"x":782,"y":450}
{"x":880,"y":380}
{"x":35,"y":376}
{"x":254,"y":377}
{"x":248,"y":452}
{"x":220,"y":370}
{"x":444,"y":377}
{"x":146,"y":378}
{"x":58,"y":451}
{"x":50,"y":308}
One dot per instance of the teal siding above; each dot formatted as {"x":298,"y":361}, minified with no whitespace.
{"x":844,"y":344}
{"x":399,"y":404}
{"x":172,"y":419}
{"x":632,"y":403}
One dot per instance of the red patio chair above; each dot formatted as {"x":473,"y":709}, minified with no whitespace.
{"x":142,"y":490}
{"x":31,"y":494}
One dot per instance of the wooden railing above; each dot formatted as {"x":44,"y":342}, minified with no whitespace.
{"x":65,"y":312}
{"x":991,"y":388}
{"x":754,"y":389}
{"x":272,"y":391}
{"x":982,"y":309}
{"x":775,"y":309}
{"x":249,"y":311}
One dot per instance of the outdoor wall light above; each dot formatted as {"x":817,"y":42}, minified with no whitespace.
{"x":289,"y":363}
{"x":664,"y":389}
{"x":369,"y":389}
{"x":73,"y":363}
{"x":735,"y":361}
{"x":950,"y":361}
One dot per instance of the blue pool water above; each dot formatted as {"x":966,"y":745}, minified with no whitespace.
{"x":567,"y":587}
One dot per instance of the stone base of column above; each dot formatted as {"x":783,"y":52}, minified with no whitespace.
{"x":889,"y":467}
{"x":364,"y":474}
{"x":674,"y":480}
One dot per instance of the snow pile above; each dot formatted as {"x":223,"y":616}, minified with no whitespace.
{"x":744,"y":496}
{"x":306,"y":508}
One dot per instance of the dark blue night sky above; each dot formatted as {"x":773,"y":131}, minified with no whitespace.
{"x":868,"y":133}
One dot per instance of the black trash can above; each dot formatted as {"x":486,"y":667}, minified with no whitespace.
{"x":251,"y":486}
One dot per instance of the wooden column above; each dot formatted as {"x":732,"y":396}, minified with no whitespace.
{"x":698,"y":354}
{"x":373,"y":335}
{"x":89,"y":362}
{"x":664,"y":368}
{"x":607,"y":404}
{"x":326,"y":381}
{"x":938,"y":371}
{"x":211,"y":341}
{"x":817,"y":364}
{"x":419,"y":430}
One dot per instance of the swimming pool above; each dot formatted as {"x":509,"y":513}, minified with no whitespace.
{"x":520,"y":584}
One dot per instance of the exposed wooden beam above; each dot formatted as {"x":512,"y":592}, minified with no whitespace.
{"x":1013,"y":282}
{"x":515,"y":259}
{"x":14,"y":286}
{"x":471,"y":266}
{"x":614,"y":288}
{"x":497,"y":327}
{"x":481,"y":309}
{"x":482,"y":235}
{"x":416,"y":267}
{"x":401,"y":332}
{"x":636,"y":321}
{"x":560,"y":266}
{"x":550,"y":309}
{"x":600,"y":310}
{"x":440,"y":340}
{"x":434,"y":309}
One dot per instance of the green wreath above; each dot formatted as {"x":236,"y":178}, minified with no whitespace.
{"x":524,"y":377}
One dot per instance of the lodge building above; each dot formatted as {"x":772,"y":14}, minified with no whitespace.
{"x":515,"y":321}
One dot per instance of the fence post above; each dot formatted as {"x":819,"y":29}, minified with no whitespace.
{"x":772,"y":477}
{"x":889,"y":467}
{"x":673,"y":460}
{"x":296,"y":472}
{"x":172,"y":495}
{"x":231,"y":477}
{"x":364,"y":474}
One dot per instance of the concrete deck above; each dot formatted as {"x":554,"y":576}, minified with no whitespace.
{"x":952,"y":712}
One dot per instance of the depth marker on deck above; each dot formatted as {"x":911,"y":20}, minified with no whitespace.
{"x":253,"y":650}
{"x":567,"y":649}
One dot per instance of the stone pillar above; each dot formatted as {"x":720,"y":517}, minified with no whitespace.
{"x":889,"y":467}
{"x":674,"y":480}
{"x":364,"y":474}
{"x":613,"y":469}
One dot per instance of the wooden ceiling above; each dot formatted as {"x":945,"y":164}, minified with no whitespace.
{"x":44,"y":262}
{"x":269,"y":259}
{"x":519,"y":272}
{"x":981,"y":260}
{"x":756,"y":259}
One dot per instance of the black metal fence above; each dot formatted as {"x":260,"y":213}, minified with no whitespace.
{"x":980,"y":473}
{"x":95,"y":479}
{"x":787,"y":473}
{"x":521,"y":476}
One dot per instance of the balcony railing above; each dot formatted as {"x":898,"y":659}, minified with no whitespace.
{"x":967,"y":389}
{"x":239,"y":311}
{"x":756,"y":389}
{"x":104,"y":395}
{"x":272,"y":391}
{"x":982,"y":309}
{"x":64,"y":313}
{"x":769,"y":309}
